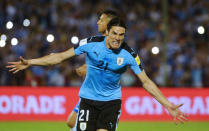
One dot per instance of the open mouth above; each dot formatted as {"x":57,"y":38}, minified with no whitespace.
{"x":116,"y":43}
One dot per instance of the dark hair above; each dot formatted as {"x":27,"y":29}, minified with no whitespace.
{"x":110,"y":13}
{"x":116,"y":22}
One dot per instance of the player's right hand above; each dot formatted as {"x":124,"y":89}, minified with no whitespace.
{"x":15,"y":67}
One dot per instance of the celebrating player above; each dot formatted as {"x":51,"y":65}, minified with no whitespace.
{"x":102,"y":22}
{"x":100,"y":93}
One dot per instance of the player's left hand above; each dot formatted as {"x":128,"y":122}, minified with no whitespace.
{"x":177,"y":115}
{"x":81,"y":71}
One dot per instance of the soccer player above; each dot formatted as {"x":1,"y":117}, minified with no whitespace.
{"x":100,"y":93}
{"x":102,"y":22}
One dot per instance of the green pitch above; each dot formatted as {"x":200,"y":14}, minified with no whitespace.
{"x":123,"y":126}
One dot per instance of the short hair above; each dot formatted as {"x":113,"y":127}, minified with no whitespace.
{"x":116,"y":22}
{"x":110,"y":14}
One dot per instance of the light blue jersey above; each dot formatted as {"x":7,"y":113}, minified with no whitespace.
{"x":104,"y":69}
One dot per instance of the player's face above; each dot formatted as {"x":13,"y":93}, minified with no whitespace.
{"x":102,"y":23}
{"x":115,"y":37}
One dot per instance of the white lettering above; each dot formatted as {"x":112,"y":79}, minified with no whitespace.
{"x":147,"y":106}
{"x":58,"y":104}
{"x":46,"y":104}
{"x":186,"y":101}
{"x":132,"y":105}
{"x":17,"y":104}
{"x":31,"y":105}
{"x":5,"y":104}
{"x":136,"y":105}
{"x":198,"y":106}
{"x":158,"y":107}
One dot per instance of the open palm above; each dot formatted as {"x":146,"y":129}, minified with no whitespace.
{"x":18,"y":66}
{"x":177,"y":114}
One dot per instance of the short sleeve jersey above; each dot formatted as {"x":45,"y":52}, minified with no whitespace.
{"x":104,"y":68}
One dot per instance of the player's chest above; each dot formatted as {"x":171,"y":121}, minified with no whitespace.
{"x":107,"y":60}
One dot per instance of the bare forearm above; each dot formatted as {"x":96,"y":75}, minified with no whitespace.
{"x":48,"y":60}
{"x":52,"y":59}
{"x":156,"y":93}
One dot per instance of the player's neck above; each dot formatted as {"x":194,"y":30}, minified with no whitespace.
{"x":107,"y":43}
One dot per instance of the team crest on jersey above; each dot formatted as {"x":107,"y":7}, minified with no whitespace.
{"x":120,"y":60}
{"x":83,"y":126}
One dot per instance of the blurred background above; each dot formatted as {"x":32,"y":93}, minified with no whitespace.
{"x":171,"y":38}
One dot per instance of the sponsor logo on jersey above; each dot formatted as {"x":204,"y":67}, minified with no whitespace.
{"x":120,"y":60}
{"x":137,"y":60}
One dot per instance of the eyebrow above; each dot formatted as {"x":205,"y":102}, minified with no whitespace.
{"x":117,"y":33}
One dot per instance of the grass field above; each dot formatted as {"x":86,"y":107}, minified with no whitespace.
{"x":123,"y":126}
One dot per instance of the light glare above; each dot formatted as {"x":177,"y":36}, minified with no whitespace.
{"x":155,"y":50}
{"x":3,"y":37}
{"x":14,"y":41}
{"x":26,"y":22}
{"x":50,"y":38}
{"x":2,"y":43}
{"x":201,"y":30}
{"x":9,"y":25}
{"x":74,"y":39}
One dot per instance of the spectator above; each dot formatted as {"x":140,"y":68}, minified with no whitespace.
{"x":66,"y":18}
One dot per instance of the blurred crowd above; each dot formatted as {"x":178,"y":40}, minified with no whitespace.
{"x":185,"y":62}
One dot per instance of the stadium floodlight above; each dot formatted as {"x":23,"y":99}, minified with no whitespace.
{"x":201,"y":30}
{"x":3,"y":37}
{"x":74,"y":39}
{"x":2,"y":43}
{"x":50,"y":38}
{"x":155,"y":50}
{"x":14,"y":41}
{"x":26,"y":22}
{"x":9,"y":25}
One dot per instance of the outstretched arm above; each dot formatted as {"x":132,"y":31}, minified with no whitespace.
{"x":150,"y":87}
{"x":48,"y":60}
